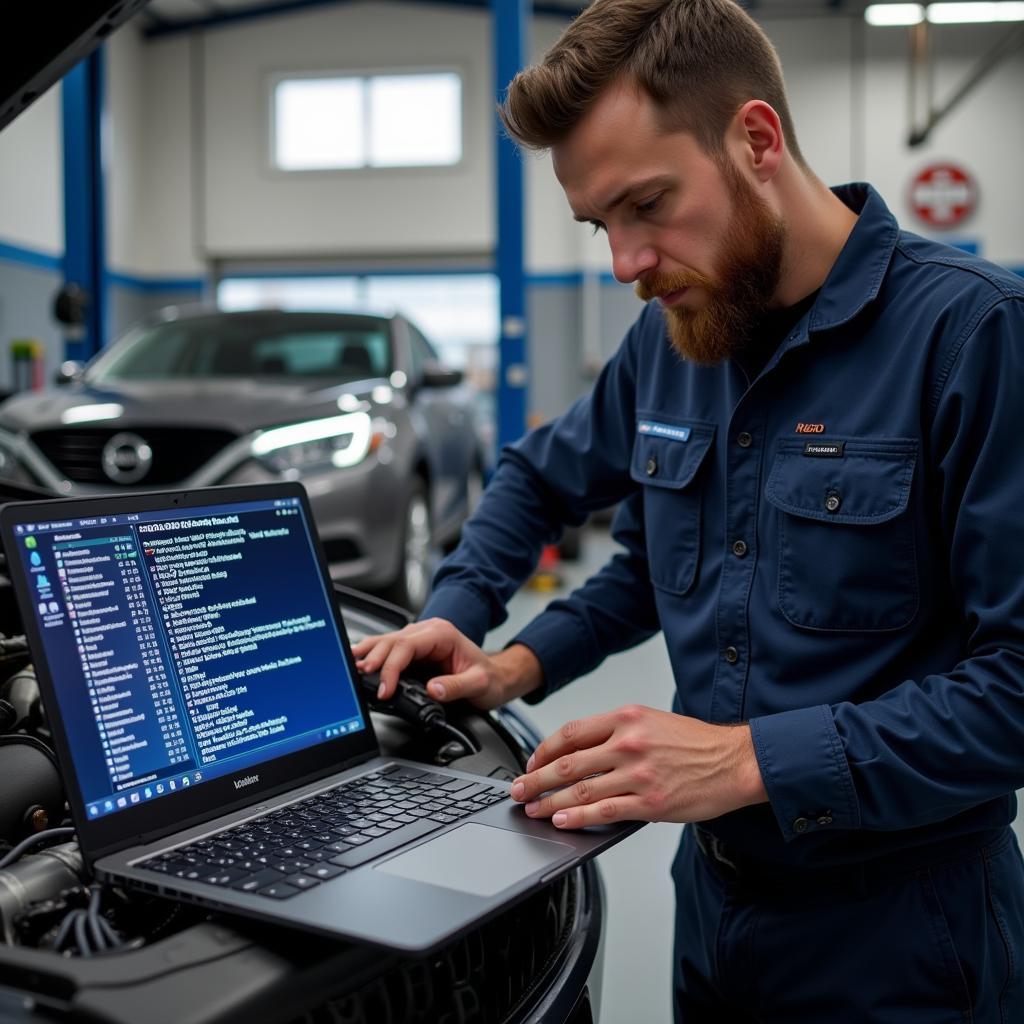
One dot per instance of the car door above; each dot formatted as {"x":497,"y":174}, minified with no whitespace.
{"x":448,"y":430}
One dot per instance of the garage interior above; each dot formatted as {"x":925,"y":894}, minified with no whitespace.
{"x":156,"y":174}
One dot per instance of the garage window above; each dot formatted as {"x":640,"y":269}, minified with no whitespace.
{"x":395,"y":120}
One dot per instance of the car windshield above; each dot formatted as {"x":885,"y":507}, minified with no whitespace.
{"x":285,"y":345}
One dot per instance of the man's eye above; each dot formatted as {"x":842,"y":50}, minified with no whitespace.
{"x":648,"y":205}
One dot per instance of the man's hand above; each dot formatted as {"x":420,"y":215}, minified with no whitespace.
{"x":486,"y":681}
{"x":639,"y":764}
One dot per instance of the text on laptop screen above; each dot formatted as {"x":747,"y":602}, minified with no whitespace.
{"x":186,"y":644}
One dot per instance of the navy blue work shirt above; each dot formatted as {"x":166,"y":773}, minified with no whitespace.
{"x":834,"y":550}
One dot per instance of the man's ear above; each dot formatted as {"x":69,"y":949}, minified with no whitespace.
{"x":756,"y":138}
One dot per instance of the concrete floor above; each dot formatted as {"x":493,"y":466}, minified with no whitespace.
{"x":638,"y":933}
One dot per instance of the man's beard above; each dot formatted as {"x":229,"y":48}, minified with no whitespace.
{"x":746,"y":277}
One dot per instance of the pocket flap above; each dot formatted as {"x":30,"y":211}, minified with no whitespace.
{"x":668,"y":452}
{"x":868,"y":483}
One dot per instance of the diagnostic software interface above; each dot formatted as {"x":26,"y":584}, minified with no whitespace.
{"x":186,"y":644}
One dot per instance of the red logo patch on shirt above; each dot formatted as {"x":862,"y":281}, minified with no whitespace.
{"x":810,"y":428}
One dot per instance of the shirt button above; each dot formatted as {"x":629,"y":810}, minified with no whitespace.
{"x":732,"y":655}
{"x":833,"y":503}
{"x":652,"y":467}
{"x":739,"y":548}
{"x":744,"y":440}
{"x":801,"y":825}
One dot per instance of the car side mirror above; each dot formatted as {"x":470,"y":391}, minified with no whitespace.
{"x":436,"y":376}
{"x":68,"y":372}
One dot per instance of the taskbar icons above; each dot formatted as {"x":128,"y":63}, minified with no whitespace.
{"x":341,"y":729}
{"x":99,"y":808}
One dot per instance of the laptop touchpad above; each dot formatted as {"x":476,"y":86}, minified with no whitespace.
{"x":477,"y":859}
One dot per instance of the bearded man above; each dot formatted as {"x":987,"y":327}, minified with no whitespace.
{"x":812,"y":432}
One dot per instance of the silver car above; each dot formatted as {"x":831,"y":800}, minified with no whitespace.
{"x":355,"y":406}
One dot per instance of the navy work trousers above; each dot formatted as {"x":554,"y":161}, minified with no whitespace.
{"x":941,"y":944}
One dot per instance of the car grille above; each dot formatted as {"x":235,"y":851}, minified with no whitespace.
{"x":177,"y":453}
{"x":488,"y":977}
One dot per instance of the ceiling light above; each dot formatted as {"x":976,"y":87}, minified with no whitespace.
{"x":975,"y":12}
{"x":894,"y":14}
{"x":957,"y":13}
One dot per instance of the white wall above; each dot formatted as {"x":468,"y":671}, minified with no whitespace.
{"x":554,"y":241}
{"x":254,"y":210}
{"x":816,"y":62}
{"x":151,"y":208}
{"x":125,"y":192}
{"x":983,"y":133}
{"x":32,"y":178}
{"x":172,"y":162}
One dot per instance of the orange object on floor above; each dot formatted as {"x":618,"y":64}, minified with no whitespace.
{"x":547,"y":575}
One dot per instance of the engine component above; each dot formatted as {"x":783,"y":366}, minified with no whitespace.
{"x":37,"y":877}
{"x":21,"y":690}
{"x":33,"y":791}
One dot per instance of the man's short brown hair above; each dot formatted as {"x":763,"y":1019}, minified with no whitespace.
{"x":698,"y":60}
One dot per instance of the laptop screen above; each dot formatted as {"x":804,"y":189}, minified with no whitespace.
{"x":185,"y":644}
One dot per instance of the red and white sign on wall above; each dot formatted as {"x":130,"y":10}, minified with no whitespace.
{"x":943,"y":195}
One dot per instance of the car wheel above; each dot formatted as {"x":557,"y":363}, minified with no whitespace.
{"x":411,"y":586}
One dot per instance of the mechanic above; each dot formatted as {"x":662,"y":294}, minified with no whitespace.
{"x":814,"y":435}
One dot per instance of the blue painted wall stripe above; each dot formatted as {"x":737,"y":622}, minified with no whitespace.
{"x":156,"y":284}
{"x":30,"y":257}
{"x":14,"y":253}
{"x":413,"y":271}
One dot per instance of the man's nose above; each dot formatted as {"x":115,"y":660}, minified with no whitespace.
{"x":630,"y":260}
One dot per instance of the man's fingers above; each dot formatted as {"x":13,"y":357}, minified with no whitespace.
{"x":432,"y":640}
{"x":457,"y":686}
{"x":604,"y":812}
{"x":577,"y":734}
{"x":589,"y":790}
{"x":370,"y":646}
{"x":390,"y":654}
{"x":563,"y":771}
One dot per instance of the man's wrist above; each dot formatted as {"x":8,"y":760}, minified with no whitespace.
{"x":749,"y":783}
{"x":518,"y":671}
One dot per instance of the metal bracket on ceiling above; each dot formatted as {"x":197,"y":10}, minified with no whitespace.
{"x":921,"y":84}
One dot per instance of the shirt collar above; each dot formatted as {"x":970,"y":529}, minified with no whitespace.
{"x":858,"y":272}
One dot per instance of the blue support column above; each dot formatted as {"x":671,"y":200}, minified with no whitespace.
{"x":510,"y":25}
{"x":84,"y":208}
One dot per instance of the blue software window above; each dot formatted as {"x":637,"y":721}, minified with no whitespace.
{"x":186,"y":645}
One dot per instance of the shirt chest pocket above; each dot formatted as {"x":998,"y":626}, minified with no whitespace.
{"x":845,"y":537}
{"x":667,"y":456}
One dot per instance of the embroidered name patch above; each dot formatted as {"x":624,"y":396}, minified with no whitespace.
{"x":810,"y":428}
{"x":672,"y":432}
{"x":824,"y":450}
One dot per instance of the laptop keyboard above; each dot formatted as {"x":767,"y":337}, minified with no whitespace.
{"x":297,"y":847}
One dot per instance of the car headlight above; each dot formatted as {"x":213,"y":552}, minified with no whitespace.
{"x":337,"y":441}
{"x":12,"y":469}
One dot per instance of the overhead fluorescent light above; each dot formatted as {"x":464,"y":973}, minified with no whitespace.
{"x":894,"y":14}
{"x":975,"y":12}
{"x":954,"y":13}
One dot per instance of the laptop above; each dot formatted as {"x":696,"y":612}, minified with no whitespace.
{"x":215,"y":741}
